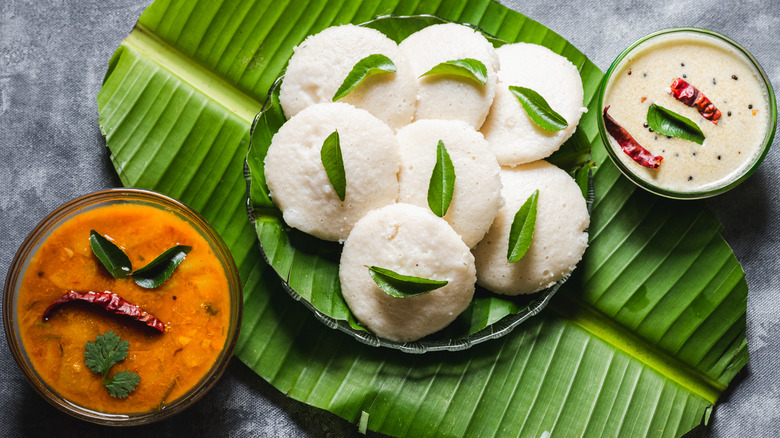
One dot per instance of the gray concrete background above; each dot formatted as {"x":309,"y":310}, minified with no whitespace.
{"x":53,"y":55}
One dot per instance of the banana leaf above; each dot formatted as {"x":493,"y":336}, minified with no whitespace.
{"x":641,"y":341}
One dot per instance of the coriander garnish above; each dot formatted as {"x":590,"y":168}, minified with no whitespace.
{"x":103,"y":353}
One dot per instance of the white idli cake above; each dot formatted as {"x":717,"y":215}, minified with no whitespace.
{"x":477,"y":192}
{"x":408,"y":240}
{"x":513,"y":136}
{"x":559,"y":238}
{"x":320,"y":64}
{"x":449,"y":97}
{"x":300,"y":186}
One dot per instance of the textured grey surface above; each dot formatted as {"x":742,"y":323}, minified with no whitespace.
{"x":53,"y":54}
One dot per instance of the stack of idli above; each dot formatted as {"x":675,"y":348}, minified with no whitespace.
{"x":390,"y":127}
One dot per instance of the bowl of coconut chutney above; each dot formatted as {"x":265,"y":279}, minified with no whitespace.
{"x":687,"y":113}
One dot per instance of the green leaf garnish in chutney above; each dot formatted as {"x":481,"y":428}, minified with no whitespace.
{"x":403,"y":286}
{"x":466,"y":67}
{"x":333,"y":161}
{"x":366,"y":67}
{"x":522,"y":230}
{"x":538,"y":109}
{"x":160,"y":269}
{"x":442,"y":183}
{"x":111,"y":256}
{"x":103,"y":353}
{"x":667,"y":122}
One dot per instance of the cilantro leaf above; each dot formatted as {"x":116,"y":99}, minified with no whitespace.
{"x":101,"y":354}
{"x":122,"y":383}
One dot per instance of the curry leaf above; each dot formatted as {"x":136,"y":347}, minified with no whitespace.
{"x":538,"y":109}
{"x":366,"y":67}
{"x":403,"y":286}
{"x":442,"y":184}
{"x":332,"y":160}
{"x":466,"y":67}
{"x":111,"y":256}
{"x":522,"y":230}
{"x":582,"y":177}
{"x":666,"y":122}
{"x":159,"y":269}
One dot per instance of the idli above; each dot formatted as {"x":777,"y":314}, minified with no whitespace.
{"x":408,"y":240}
{"x":297,"y":180}
{"x":320,"y":64}
{"x":513,"y":136}
{"x":477,"y":189}
{"x":444,"y":96}
{"x":559,"y":238}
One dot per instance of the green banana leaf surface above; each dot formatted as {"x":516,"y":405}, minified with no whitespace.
{"x":641,"y":341}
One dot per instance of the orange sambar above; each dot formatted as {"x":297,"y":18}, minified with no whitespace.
{"x":194,"y":305}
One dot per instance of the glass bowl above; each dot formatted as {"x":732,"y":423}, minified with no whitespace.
{"x":14,"y":316}
{"x":641,"y":176}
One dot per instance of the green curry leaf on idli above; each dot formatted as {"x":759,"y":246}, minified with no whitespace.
{"x":366,"y":67}
{"x":466,"y":67}
{"x":442,"y":183}
{"x":522,"y":230}
{"x":538,"y":109}
{"x":667,"y":122}
{"x":332,"y":160}
{"x":403,"y":286}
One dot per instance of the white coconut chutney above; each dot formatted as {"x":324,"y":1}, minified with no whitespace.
{"x":719,"y":70}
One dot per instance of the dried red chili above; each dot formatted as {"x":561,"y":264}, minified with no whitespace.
{"x":629,"y":145}
{"x":691,"y":96}
{"x":111,"y":302}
